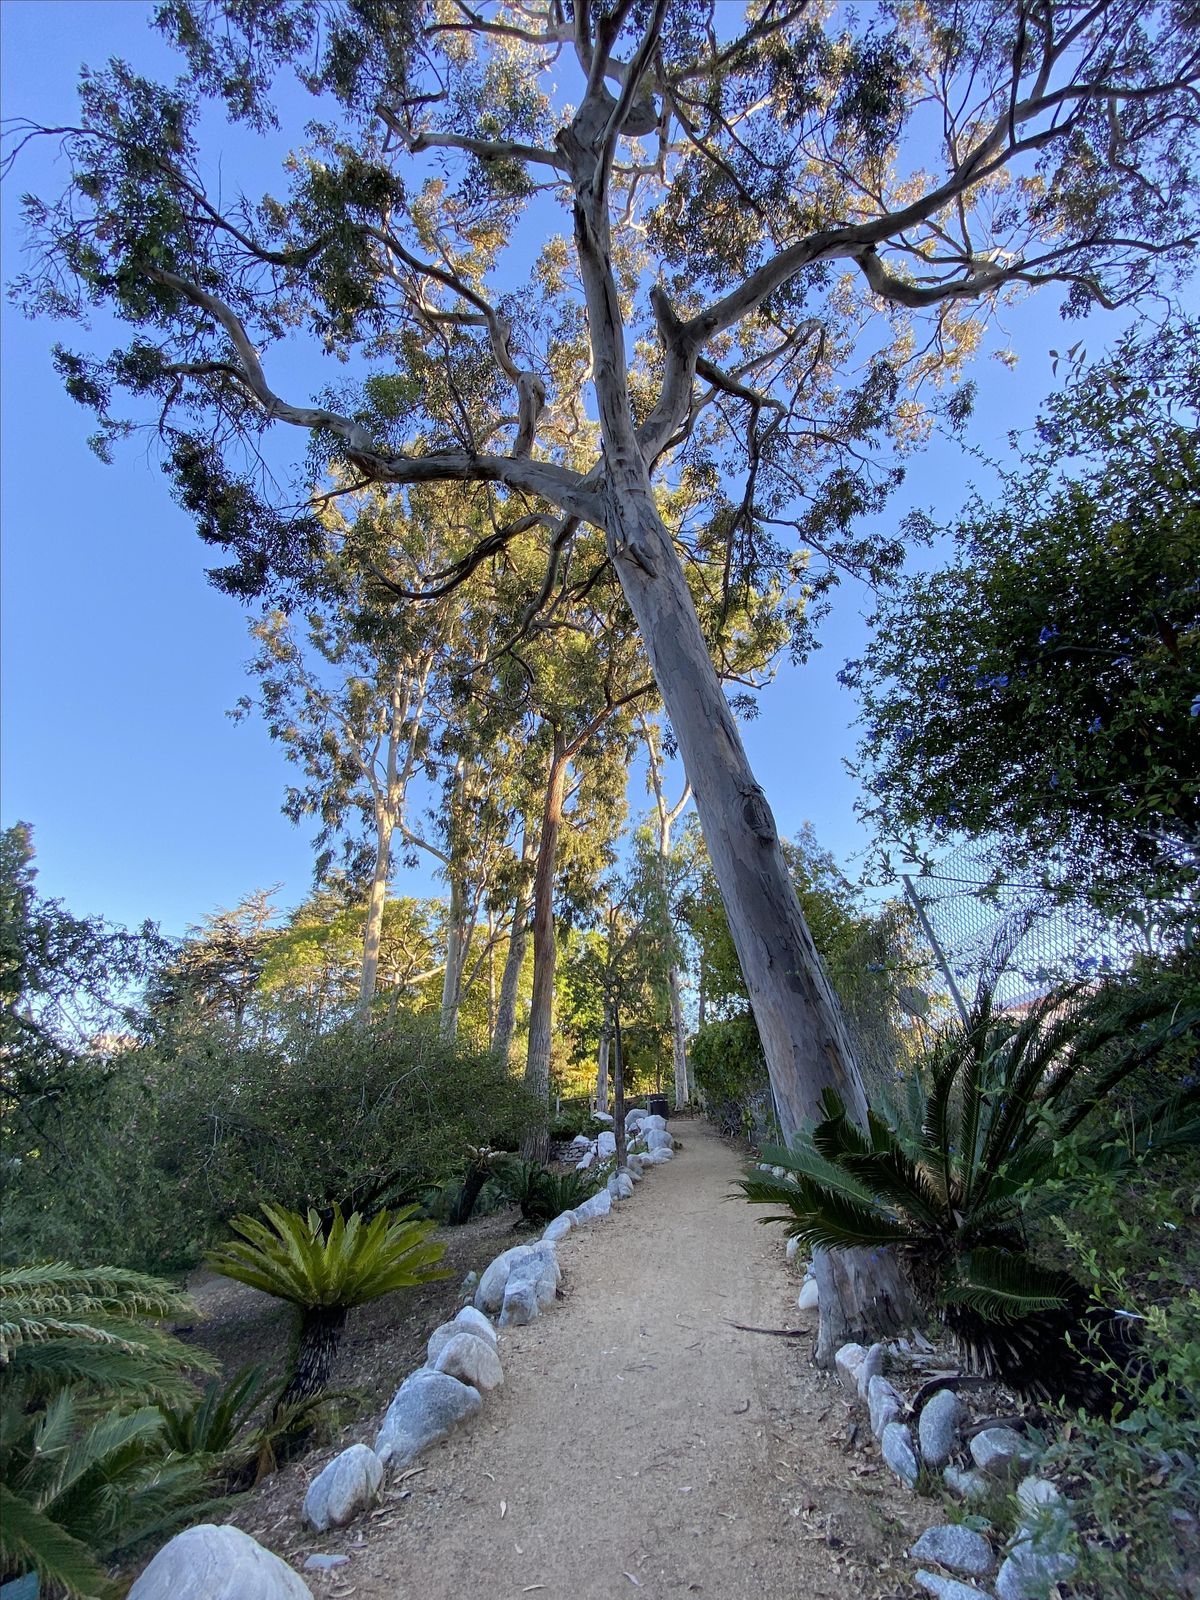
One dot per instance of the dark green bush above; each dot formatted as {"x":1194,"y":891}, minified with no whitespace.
{"x":730,"y":1072}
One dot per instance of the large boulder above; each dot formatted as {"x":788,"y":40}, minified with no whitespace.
{"x":1001,"y":1452}
{"x":635,"y":1168}
{"x":217,"y":1563}
{"x":347,"y":1486}
{"x":958,"y":1549}
{"x":655,"y":1158}
{"x":425,"y":1408}
{"x":940,"y":1427}
{"x":581,"y":1142}
{"x":606,"y":1145}
{"x":531,"y":1286}
{"x":587,"y":1159}
{"x":809,"y":1297}
{"x":632,"y":1118}
{"x":489,"y":1296}
{"x":620,"y":1186}
{"x":558,"y":1229}
{"x":654,"y":1121}
{"x":897,"y":1447}
{"x":472,"y":1360}
{"x":847,"y":1361}
{"x":602,"y":1116}
{"x":475,"y":1322}
{"x":659,"y":1139}
{"x":597,"y":1205}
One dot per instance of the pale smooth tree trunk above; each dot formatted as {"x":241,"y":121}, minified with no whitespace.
{"x":619,"y":1093}
{"x":506,"y":1009}
{"x":804,"y":1042}
{"x":456,"y":951}
{"x":678,"y":1039}
{"x":545,"y":952}
{"x":373,"y":932}
{"x":602,"y":1064}
{"x":667,"y":817}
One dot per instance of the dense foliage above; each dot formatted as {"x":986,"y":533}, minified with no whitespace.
{"x":1043,"y":690}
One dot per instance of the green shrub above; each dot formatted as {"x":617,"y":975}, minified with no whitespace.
{"x":542,"y":1194}
{"x":947,"y":1177}
{"x":86,"y":1466}
{"x":730,"y":1072}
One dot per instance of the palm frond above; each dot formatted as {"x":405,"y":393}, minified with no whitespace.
{"x":1004,"y":1286}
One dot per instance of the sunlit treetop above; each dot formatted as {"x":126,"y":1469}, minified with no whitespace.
{"x":750,"y":246}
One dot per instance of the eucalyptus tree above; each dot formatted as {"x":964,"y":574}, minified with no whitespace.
{"x":785,"y":225}
{"x":668,"y":815}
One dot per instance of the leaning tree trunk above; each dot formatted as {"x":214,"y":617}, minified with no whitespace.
{"x":317,"y":1346}
{"x":863,"y":1294}
{"x":805,"y":1045}
{"x":541,"y":1010}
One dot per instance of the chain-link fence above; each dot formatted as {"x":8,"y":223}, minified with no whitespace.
{"x":1019,"y":935}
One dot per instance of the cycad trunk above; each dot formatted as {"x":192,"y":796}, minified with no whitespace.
{"x":541,"y":1009}
{"x":316,"y":1350}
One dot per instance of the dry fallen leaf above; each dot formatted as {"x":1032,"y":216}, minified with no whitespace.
{"x":503,"y":1507}
{"x":636,"y":1582}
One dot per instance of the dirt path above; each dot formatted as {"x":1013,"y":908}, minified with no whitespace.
{"x":641,"y":1443}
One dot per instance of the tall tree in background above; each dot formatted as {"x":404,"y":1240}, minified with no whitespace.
{"x":781,"y":224}
{"x":1043,"y":690}
{"x":667,"y":816}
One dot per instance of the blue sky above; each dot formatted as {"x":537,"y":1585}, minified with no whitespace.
{"x":119,"y":661}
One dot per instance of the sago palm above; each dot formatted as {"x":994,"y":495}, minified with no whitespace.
{"x":326,"y":1274}
{"x":945,"y":1176}
{"x":85,"y":1467}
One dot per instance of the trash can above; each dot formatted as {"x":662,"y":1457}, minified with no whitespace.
{"x":658,"y":1105}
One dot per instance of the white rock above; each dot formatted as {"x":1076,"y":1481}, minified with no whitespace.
{"x":597,"y":1205}
{"x":489,"y":1296}
{"x":606,"y":1145}
{"x":602,"y":1116}
{"x":581,"y":1142}
{"x":970,"y":1485}
{"x":559,"y":1228}
{"x":520,"y":1303}
{"x":884,"y":1403}
{"x":659,"y":1139}
{"x":809,"y":1297}
{"x":620,"y":1186}
{"x":475,"y":1322}
{"x":948,"y":1588}
{"x":425,"y":1408}
{"x":1036,"y":1495}
{"x":1001,"y":1452}
{"x":217,"y":1563}
{"x":792,"y":1246}
{"x":586,"y":1160}
{"x":345,"y":1487}
{"x":654,"y":1121}
{"x":634,"y":1167}
{"x":439,"y":1339}
{"x":958,"y":1549}
{"x":655,"y":1158}
{"x":325,"y":1563}
{"x":1031,"y":1566}
{"x":896,"y":1445}
{"x":939,"y":1427}
{"x":871,"y":1367}
{"x":471,"y":1359}
{"x":531,"y":1286}
{"x":847,"y":1361}
{"x":632,"y":1118}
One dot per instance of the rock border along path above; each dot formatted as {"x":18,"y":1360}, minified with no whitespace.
{"x":640,"y":1442}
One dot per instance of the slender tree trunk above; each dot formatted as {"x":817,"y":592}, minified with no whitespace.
{"x":678,"y":1039}
{"x":541,"y":1010}
{"x":455,"y":953}
{"x":373,"y":932}
{"x":506,"y":1010}
{"x":619,"y":1092}
{"x":602,"y":1064}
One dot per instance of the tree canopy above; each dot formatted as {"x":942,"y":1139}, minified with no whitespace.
{"x":1042,"y":690}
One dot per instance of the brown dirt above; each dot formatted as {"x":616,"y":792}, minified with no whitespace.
{"x":640,"y":1442}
